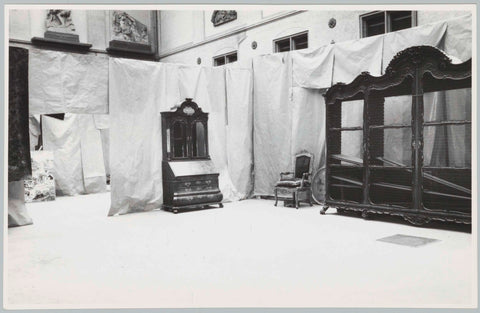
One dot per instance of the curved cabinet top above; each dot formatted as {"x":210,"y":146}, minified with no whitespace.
{"x":427,"y":61}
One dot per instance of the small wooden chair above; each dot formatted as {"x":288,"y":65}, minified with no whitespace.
{"x":298,"y":182}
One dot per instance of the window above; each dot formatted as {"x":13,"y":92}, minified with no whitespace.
{"x":376,"y":23}
{"x":225,"y":58}
{"x":293,"y":42}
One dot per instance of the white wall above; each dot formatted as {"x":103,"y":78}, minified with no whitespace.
{"x":315,"y":21}
{"x":177,"y":28}
{"x":244,"y":18}
{"x":181,"y":29}
{"x":427,"y":17}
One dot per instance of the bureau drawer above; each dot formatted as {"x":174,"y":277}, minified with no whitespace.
{"x":196,"y":185}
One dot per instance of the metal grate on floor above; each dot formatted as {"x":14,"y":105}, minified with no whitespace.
{"x":405,"y":240}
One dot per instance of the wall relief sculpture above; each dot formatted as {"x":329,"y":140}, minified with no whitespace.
{"x":126,"y":28}
{"x":60,"y":21}
{"x":222,"y":17}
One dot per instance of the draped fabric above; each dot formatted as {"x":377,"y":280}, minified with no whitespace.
{"x":17,"y":211}
{"x":68,"y":82}
{"x":78,"y":153}
{"x":289,"y":109}
{"x":19,"y":160}
{"x":19,"y":163}
{"x":139,"y":91}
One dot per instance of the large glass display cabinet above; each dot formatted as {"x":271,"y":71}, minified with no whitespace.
{"x":400,"y":144}
{"x":190,"y":179}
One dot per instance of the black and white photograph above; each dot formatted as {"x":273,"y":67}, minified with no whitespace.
{"x":240,"y":156}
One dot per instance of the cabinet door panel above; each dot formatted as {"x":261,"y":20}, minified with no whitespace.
{"x":199,"y":139}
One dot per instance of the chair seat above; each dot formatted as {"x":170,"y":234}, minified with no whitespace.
{"x":291,"y":183}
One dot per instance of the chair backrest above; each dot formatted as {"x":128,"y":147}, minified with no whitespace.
{"x":302,"y":164}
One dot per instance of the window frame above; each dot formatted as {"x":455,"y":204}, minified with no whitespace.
{"x":290,"y":37}
{"x":225,"y":57}
{"x":386,"y":19}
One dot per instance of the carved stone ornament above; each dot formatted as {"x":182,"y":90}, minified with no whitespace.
{"x":126,"y":28}
{"x":222,"y":17}
{"x":60,"y":21}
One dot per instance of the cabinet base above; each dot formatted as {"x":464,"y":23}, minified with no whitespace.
{"x":414,"y":218}
{"x":176,"y":209}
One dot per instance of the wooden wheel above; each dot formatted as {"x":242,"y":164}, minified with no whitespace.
{"x":318,"y":186}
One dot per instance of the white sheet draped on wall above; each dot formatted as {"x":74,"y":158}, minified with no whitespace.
{"x":62,"y":82}
{"x":78,"y":156}
{"x":139,"y":91}
{"x":75,"y":84}
{"x":283,"y":81}
{"x":239,"y":82}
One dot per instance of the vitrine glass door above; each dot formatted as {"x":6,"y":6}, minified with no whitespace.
{"x":199,"y":139}
{"x":345,"y":155}
{"x":390,"y":151}
{"x":447,"y":151}
{"x":179,"y":139}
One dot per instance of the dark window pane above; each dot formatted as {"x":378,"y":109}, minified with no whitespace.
{"x":219,"y":61}
{"x":282,"y":45}
{"x":374,"y":24}
{"x":300,"y":42}
{"x":231,"y":58}
{"x":400,"y":20}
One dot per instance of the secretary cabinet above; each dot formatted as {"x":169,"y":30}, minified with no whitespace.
{"x":190,"y":179}
{"x":400,"y":144}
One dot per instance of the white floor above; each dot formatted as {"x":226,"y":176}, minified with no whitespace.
{"x":248,"y":254}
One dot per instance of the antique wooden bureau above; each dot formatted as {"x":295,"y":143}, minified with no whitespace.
{"x":190,"y":180}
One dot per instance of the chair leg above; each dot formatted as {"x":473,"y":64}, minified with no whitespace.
{"x":296,"y":199}
{"x":276,"y":197}
{"x":310,"y":198}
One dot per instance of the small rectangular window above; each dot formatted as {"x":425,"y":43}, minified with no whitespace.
{"x":300,"y":42}
{"x":376,"y":23}
{"x":231,"y":58}
{"x":282,"y":45}
{"x":293,"y":42}
{"x":225,"y":58}
{"x":400,"y":20}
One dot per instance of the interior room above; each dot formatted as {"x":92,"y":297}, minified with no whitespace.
{"x":188,"y":157}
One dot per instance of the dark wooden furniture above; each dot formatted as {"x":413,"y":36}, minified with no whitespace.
{"x":417,"y":187}
{"x":190,"y":180}
{"x":297,"y":183}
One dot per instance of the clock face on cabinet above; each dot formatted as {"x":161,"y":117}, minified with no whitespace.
{"x":188,"y":110}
